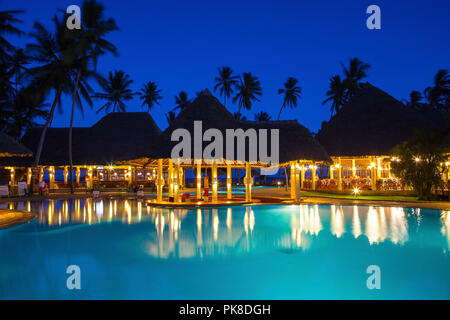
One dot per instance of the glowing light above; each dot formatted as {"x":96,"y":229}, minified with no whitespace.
{"x":356,"y":191}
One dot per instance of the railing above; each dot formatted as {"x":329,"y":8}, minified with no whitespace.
{"x":349,"y":184}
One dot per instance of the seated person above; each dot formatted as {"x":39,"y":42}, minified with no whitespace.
{"x":41,"y":187}
{"x":206,"y":193}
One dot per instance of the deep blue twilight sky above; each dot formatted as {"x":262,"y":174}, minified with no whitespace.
{"x":179,"y":45}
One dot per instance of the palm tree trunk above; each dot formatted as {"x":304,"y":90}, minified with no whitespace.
{"x":43,"y":133}
{"x":279,"y":113}
{"x":70,"y":130}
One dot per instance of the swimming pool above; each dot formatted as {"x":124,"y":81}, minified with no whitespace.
{"x":128,"y":250}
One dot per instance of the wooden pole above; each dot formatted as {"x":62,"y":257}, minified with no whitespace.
{"x":159,"y":181}
{"x":314,"y":171}
{"x":248,"y":182}
{"x":339,"y":167}
{"x":214,"y":181}
{"x":199,"y":180}
{"x":170,"y":178}
{"x":229,"y":182}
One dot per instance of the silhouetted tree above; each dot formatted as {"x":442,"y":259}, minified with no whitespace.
{"x":291,"y":93}
{"x":248,"y":91}
{"x":115,"y":91}
{"x":225,"y":82}
{"x":150,"y":94}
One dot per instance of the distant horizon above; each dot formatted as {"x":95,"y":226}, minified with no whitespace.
{"x":181,"y":46}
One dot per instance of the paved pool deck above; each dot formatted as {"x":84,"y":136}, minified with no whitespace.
{"x":9,"y":218}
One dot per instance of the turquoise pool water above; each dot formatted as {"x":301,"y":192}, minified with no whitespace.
{"x":128,"y":250}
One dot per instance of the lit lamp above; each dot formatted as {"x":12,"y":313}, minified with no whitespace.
{"x":356,"y":192}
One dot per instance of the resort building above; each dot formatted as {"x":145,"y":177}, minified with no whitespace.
{"x":128,"y":152}
{"x":297,"y":148}
{"x":12,"y":154}
{"x":360,"y":137}
{"x":128,"y":149}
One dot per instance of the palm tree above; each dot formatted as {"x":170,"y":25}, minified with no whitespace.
{"x":336,"y":94}
{"x":6,"y":92}
{"x":438,"y":95}
{"x":291,"y":93}
{"x":170,"y":117}
{"x":53,"y":53}
{"x":7,"y":21}
{"x":262,"y":116}
{"x":89,"y":44}
{"x":181,"y":101}
{"x":415,"y":98}
{"x":225,"y":82}
{"x":150,"y":94}
{"x":248,"y":89}
{"x":26,"y":105}
{"x":354,"y":73}
{"x":115,"y":91}
{"x":239,"y":117}
{"x":19,"y":60}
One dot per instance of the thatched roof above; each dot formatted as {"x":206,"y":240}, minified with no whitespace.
{"x":11,"y":148}
{"x":372,"y":123}
{"x":296,"y":142}
{"x":116,"y":137}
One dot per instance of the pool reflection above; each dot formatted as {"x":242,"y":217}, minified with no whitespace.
{"x":200,"y":232}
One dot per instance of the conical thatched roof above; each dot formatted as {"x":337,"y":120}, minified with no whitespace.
{"x":372,"y":123}
{"x":205,"y":108}
{"x":296,"y":142}
{"x":116,"y":137}
{"x":11,"y":148}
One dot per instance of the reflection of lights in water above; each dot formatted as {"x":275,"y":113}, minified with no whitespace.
{"x":199,"y":227}
{"x":50,"y":212}
{"x":139,"y":208}
{"x":309,"y":220}
{"x":445,"y":220}
{"x":89,"y":210}
{"x":77,"y":208}
{"x":249,"y":219}
{"x":199,"y":219}
{"x":379,"y":224}
{"x":376,"y":229}
{"x":127,"y":211}
{"x":356,"y":226}
{"x":229,"y":218}
{"x":215,"y":224}
{"x":99,"y":209}
{"x":66,"y":210}
{"x":337,"y":221}
{"x":399,"y":226}
{"x":110,"y":210}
